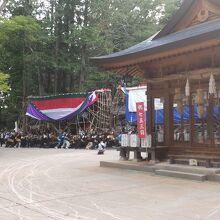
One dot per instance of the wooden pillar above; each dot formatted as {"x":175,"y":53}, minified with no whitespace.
{"x":150,"y":112}
{"x":150,"y":122}
{"x":219,"y":121}
{"x":191,"y":119}
{"x":137,"y":154}
{"x":168,"y":118}
{"x":210,"y":120}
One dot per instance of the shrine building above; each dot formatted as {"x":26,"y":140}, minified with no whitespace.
{"x":181,"y":66}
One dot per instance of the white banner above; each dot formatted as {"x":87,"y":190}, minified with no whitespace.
{"x":138,"y":94}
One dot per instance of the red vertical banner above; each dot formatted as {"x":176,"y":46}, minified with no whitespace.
{"x":141,"y":121}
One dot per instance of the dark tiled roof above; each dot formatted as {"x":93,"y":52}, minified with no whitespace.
{"x":208,"y":30}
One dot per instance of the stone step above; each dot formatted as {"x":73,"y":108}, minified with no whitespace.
{"x":215,"y":178}
{"x":127,"y":166}
{"x":201,"y":163}
{"x":184,"y":175}
{"x":187,"y":169}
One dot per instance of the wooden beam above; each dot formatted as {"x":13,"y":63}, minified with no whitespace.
{"x":194,"y":75}
{"x":120,"y":71}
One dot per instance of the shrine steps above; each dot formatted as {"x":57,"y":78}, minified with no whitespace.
{"x":127,"y":165}
{"x":184,"y":160}
{"x":165,"y":169}
{"x":183,"y":175}
{"x":215,"y":178}
{"x":187,"y":169}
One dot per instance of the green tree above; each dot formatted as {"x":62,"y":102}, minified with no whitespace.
{"x":19,"y":40}
{"x":4,"y":87}
{"x":170,"y":7}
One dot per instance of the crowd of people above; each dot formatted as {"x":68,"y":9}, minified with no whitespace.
{"x":59,"y":139}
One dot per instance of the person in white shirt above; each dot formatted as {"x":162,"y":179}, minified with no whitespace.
{"x":101,"y":147}
{"x":66,"y":142}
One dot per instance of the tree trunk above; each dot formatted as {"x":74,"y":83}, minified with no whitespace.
{"x":3,"y":5}
{"x":40,"y":84}
{"x":52,"y":17}
{"x":24,"y":92}
{"x":58,"y":32}
{"x":83,"y":71}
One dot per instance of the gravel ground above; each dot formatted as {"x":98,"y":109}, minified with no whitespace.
{"x":58,"y":184}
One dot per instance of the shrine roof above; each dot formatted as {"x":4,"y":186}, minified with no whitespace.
{"x":200,"y":32}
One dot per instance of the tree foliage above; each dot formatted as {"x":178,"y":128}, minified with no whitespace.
{"x":4,"y":87}
{"x":46,"y":45}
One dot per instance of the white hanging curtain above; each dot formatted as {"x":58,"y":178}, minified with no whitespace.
{"x":187,"y":89}
{"x":212,"y":86}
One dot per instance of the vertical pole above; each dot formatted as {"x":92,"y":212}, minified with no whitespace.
{"x":218,"y":122}
{"x":210,"y":120}
{"x":150,"y":112}
{"x":168,"y":118}
{"x":191,"y":119}
{"x":150,"y":120}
